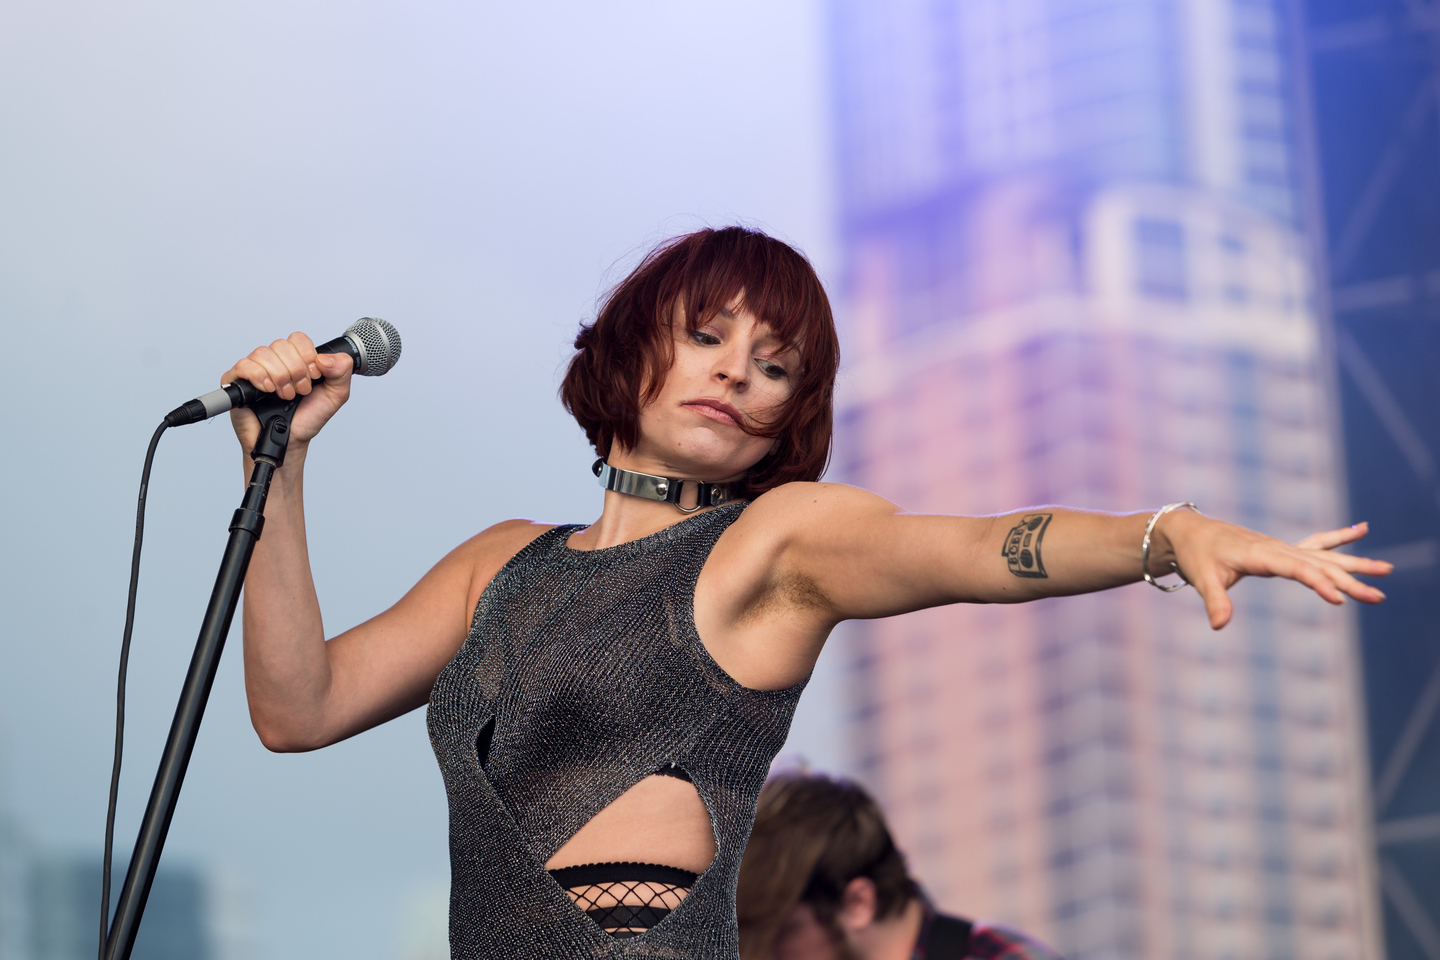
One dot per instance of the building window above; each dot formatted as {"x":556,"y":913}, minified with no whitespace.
{"x":1160,"y":259}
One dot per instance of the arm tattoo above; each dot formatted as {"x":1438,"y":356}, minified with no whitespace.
{"x":1022,"y":546}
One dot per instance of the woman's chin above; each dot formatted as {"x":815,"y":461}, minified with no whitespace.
{"x":710,"y":461}
{"x":726,"y":468}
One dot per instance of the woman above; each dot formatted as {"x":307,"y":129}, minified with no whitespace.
{"x":605,"y":700}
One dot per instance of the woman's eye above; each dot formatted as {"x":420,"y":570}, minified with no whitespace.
{"x":771,"y":370}
{"x":708,"y":339}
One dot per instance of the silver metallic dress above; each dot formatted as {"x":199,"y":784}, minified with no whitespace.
{"x":582,"y":675}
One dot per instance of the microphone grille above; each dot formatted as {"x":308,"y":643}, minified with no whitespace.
{"x":378,"y":344}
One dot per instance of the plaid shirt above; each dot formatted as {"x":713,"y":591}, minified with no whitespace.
{"x":988,"y":941}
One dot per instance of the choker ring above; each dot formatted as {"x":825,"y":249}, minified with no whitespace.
{"x":663,"y":489}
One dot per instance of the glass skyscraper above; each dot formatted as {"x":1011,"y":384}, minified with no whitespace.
{"x":1075,"y":274}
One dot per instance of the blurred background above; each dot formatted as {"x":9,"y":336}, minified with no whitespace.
{"x":1113,"y":254}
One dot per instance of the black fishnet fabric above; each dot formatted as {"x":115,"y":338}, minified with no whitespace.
{"x":610,"y":906}
{"x":589,"y":667}
{"x":625,"y":899}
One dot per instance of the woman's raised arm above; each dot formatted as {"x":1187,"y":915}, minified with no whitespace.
{"x":303,"y":691}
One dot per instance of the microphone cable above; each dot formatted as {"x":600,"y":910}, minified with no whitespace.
{"x":374,"y":347}
{"x":120,"y":691}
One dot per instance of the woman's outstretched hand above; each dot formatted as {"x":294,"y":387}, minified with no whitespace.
{"x":1214,"y":555}
{"x":287,"y":368}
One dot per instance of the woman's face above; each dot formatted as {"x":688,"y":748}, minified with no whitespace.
{"x":732,"y":369}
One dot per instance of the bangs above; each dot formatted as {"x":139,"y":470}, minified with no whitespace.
{"x":758,"y":284}
{"x":624,"y":356}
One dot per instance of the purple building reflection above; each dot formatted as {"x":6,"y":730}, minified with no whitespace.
{"x":1075,"y":274}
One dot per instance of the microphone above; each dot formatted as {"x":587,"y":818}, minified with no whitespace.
{"x":372,"y":344}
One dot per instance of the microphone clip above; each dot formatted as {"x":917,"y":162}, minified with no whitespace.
{"x":275,"y":415}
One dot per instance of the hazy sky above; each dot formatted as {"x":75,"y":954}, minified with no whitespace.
{"x":182,"y":181}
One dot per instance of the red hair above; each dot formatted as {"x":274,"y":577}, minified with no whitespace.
{"x":623,"y":357}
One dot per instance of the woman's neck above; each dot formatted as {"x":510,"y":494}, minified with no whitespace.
{"x":626,"y":517}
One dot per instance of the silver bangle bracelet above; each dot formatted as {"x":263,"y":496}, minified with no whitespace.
{"x":1145,"y":548}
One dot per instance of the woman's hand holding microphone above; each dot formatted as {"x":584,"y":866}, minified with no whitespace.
{"x":290,"y":368}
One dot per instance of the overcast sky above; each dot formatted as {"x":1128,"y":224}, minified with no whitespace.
{"x":182,"y":181}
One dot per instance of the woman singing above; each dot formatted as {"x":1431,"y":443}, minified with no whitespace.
{"x":605,"y":700}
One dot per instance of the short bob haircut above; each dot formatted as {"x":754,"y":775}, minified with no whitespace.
{"x":623,"y":357}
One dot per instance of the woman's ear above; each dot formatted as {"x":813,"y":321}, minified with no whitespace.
{"x":857,"y":905}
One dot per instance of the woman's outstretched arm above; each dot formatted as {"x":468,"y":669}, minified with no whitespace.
{"x":867,"y":558}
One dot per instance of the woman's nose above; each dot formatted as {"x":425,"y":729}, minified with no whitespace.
{"x":731,"y":367}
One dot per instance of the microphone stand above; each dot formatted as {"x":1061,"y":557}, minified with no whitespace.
{"x":245,"y":527}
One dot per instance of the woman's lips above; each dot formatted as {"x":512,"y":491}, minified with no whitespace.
{"x":716,"y":410}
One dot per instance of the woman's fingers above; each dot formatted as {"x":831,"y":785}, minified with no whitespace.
{"x":250,"y":369}
{"x":1361,"y":565}
{"x":1220,"y":554}
{"x":1347,"y":584}
{"x":293,"y":377}
{"x":285,"y":367}
{"x":1218,"y":606}
{"x":1328,"y":574}
{"x":305,"y":347}
{"x":1319,"y":579}
{"x":268,"y":370}
{"x":334,"y":365}
{"x":1329,"y":539}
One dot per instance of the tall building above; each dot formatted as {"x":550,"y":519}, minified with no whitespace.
{"x":65,"y":911}
{"x":1375,"y":66}
{"x":50,"y":910}
{"x":14,"y":927}
{"x":1075,"y":274}
{"x":14,"y":906}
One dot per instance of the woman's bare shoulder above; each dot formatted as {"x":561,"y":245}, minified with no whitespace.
{"x":519,"y":531}
{"x":478,"y":559}
{"x":793,"y":514}
{"x":799,"y":504}
{"x":493,"y":546}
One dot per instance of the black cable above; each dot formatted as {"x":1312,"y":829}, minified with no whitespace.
{"x":120,"y":693}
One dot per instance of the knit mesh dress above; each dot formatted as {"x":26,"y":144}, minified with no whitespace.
{"x":582,"y":675}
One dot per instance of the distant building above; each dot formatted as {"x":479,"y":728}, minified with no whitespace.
{"x":65,"y":912}
{"x":1074,"y":274}
{"x":14,"y":850}
{"x":14,"y":912}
